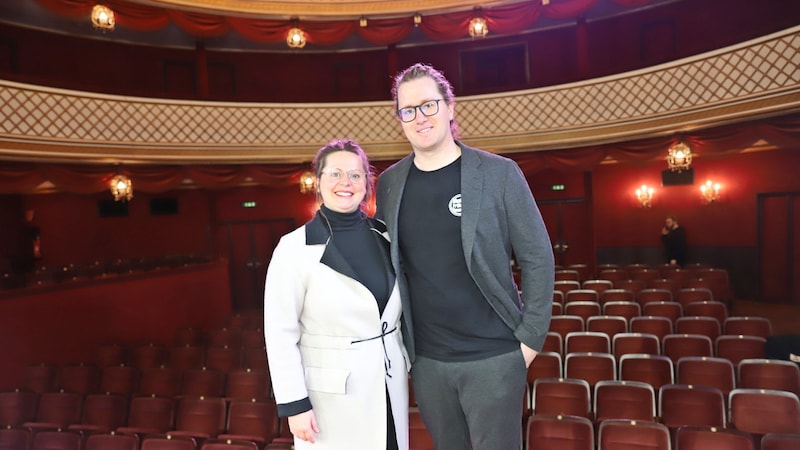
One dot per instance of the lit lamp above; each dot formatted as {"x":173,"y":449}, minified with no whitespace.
{"x":645,"y":195}
{"x":103,"y":18}
{"x":710,"y":191}
{"x":417,"y":19}
{"x":307,"y":182}
{"x":478,"y":27}
{"x":362,"y":22}
{"x":121,"y":188}
{"x":296,"y":38}
{"x":679,"y":157}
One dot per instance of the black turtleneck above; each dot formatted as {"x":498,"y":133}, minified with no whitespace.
{"x":358,"y":244}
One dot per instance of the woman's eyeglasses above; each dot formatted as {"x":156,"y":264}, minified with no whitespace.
{"x":355,"y":176}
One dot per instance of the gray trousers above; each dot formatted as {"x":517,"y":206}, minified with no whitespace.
{"x":472,"y":405}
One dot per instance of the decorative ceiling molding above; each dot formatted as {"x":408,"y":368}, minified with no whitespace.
{"x":756,"y":79}
{"x":330,"y":22}
{"x":327,"y":8}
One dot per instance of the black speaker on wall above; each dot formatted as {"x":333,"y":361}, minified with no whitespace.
{"x":111,"y":208}
{"x":677,"y":178}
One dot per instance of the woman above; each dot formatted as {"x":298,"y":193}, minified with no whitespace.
{"x":332,"y":318}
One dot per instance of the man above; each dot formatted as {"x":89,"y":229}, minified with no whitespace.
{"x":456,"y":217}
{"x":674,"y":238}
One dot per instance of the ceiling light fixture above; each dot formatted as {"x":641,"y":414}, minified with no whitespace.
{"x":478,"y":27}
{"x":121,"y":188}
{"x":103,"y":18}
{"x":679,"y":157}
{"x":296,"y":38}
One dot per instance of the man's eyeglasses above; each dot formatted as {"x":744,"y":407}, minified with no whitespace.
{"x":427,"y":109}
{"x":337,"y":175}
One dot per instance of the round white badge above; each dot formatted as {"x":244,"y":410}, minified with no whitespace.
{"x":455,"y":205}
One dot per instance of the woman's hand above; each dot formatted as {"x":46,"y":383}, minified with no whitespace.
{"x":304,"y":425}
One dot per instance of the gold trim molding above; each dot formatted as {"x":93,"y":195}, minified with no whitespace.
{"x":330,"y":9}
{"x":757,"y":79}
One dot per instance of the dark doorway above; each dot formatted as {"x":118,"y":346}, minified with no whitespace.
{"x":779,"y":247}
{"x":248,"y":247}
{"x":569,"y":223}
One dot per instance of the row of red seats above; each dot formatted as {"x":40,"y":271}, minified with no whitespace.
{"x":671,"y":310}
{"x":657,"y":370}
{"x":624,"y":317}
{"x":600,"y":291}
{"x":693,"y":339}
{"x":165,"y":381}
{"x":24,"y":439}
{"x":562,"y":432}
{"x":673,"y":405}
{"x":199,"y":417}
{"x":122,"y":378}
{"x":585,"y":272}
{"x":719,"y":288}
{"x":19,"y":406}
{"x":582,"y":272}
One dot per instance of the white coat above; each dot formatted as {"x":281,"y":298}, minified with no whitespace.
{"x":327,"y":342}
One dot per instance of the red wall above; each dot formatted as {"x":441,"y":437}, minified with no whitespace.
{"x":271,"y":203}
{"x":73,"y":232}
{"x":620,"y":221}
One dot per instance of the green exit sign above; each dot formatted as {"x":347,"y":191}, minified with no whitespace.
{"x":557,"y":187}
{"x":250,"y":204}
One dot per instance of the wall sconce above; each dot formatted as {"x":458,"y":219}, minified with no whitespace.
{"x":308,"y":182}
{"x":103,"y":18}
{"x":121,"y":188}
{"x":710,"y":191}
{"x":679,"y":157}
{"x":296,"y":38}
{"x":645,"y":195}
{"x":417,"y":19}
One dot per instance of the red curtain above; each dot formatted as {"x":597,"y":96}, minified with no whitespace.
{"x":388,"y":31}
{"x":504,"y":19}
{"x":19,"y":177}
{"x":201,"y":25}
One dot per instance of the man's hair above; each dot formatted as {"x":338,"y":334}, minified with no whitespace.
{"x":421,"y":70}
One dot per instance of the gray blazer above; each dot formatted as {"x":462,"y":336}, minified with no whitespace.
{"x":499,"y":216}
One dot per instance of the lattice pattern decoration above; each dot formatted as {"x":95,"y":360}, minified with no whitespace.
{"x":75,"y":119}
{"x":754,"y":70}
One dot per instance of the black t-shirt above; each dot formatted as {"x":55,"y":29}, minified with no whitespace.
{"x":452,"y":319}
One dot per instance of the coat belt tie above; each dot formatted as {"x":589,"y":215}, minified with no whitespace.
{"x":387,"y":363}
